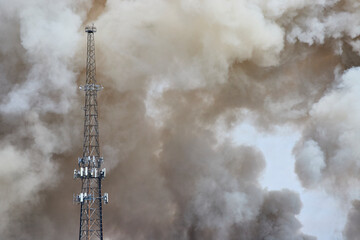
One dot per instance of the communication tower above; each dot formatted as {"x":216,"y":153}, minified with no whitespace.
{"x":90,"y":172}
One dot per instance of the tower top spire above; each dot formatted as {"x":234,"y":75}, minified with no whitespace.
{"x":90,"y":28}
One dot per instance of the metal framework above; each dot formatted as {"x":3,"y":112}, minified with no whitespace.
{"x":90,"y":172}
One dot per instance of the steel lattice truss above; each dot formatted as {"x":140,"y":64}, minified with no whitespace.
{"x":90,"y":171}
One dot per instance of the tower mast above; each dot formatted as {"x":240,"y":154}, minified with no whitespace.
{"x":90,"y":172}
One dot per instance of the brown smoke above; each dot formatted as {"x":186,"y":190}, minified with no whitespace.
{"x":171,"y":71}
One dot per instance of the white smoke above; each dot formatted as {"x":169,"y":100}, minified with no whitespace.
{"x":38,"y":46}
{"x":310,"y":163}
{"x":328,"y":151}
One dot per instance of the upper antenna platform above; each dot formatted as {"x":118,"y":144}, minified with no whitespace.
{"x":90,"y":28}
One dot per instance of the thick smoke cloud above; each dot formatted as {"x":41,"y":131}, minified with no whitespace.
{"x":172,"y":70}
{"x":37,"y":47}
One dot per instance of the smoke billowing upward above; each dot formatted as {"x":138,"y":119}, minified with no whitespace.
{"x":172,"y":71}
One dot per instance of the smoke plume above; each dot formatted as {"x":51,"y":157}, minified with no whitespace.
{"x":172,"y":72}
{"x":351,"y":229}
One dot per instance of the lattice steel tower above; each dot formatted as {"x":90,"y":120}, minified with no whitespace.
{"x":90,"y":172}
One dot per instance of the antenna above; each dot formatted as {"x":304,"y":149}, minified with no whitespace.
{"x":90,"y":198}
